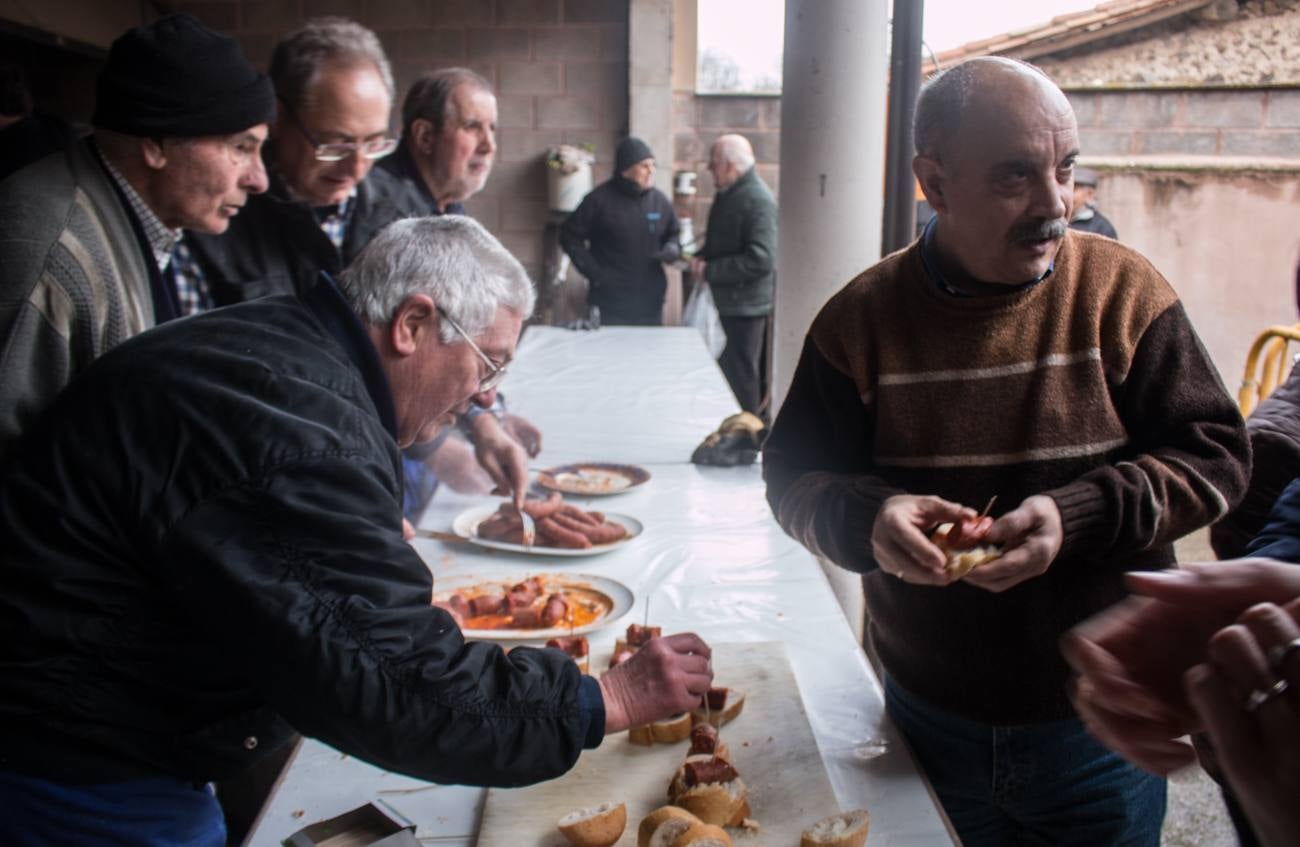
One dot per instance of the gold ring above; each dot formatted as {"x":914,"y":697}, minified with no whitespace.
{"x":1258,"y":698}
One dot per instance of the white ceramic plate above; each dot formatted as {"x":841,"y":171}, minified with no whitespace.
{"x":593,"y":479}
{"x":620,"y":599}
{"x":466,"y":526}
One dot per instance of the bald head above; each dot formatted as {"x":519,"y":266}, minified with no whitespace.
{"x":973,"y":88}
{"x":996,"y":142}
{"x":730,"y":158}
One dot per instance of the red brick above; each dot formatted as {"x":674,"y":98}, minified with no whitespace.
{"x":514,"y":111}
{"x":582,"y":42}
{"x":567,"y":113}
{"x":278,"y":16}
{"x":529,"y":77}
{"x":728,"y":112}
{"x":485,"y":44}
{"x":395,"y":14}
{"x":485,"y":208}
{"x":354,"y":9}
{"x":524,"y":145}
{"x":613,"y":41}
{"x":526,"y":246}
{"x":524,"y":215}
{"x":223,"y":17}
{"x":460,"y":12}
{"x":528,"y":11}
{"x":595,"y":11}
{"x":432,"y":45}
{"x":524,"y":180}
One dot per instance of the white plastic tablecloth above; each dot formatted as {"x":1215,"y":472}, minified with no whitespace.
{"x":711,"y":560}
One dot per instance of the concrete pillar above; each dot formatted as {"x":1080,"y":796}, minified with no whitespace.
{"x":650,"y":82}
{"x":832,"y":181}
{"x":832,"y":161}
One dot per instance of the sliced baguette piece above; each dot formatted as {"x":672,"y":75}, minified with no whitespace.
{"x":660,"y":827}
{"x":703,"y":835}
{"x":962,"y":562}
{"x":667,"y":731}
{"x":714,"y":802}
{"x":846,"y":830}
{"x":720,"y":717}
{"x":599,"y":826}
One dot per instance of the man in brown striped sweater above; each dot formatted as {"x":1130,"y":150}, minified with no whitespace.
{"x":1002,"y":354}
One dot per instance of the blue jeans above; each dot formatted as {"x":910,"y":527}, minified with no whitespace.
{"x":1047,"y":783}
{"x":158,"y":812}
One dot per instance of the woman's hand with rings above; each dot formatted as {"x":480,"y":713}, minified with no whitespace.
{"x":1248,"y":695}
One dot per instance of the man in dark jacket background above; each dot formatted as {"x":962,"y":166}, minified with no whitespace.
{"x":228,"y":561}
{"x":620,"y":236}
{"x":739,"y":263}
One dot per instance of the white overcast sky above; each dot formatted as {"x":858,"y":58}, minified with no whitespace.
{"x":750,"y":31}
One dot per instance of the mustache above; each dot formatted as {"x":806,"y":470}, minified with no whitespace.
{"x":1040,"y":230}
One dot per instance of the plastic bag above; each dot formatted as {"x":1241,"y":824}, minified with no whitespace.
{"x":702,"y":313}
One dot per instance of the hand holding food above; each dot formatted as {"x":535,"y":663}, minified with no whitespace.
{"x":1031,"y":536}
{"x":666,"y":677}
{"x":899,"y":540}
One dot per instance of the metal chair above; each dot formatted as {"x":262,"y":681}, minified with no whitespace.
{"x":1268,"y":355}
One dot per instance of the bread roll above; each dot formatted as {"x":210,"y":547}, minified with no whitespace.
{"x":678,"y":783}
{"x":667,"y":731}
{"x":663,"y":825}
{"x":703,"y":835}
{"x":714,"y":802}
{"x":720,"y":717}
{"x":846,"y":830}
{"x":600,"y":826}
{"x":962,"y":562}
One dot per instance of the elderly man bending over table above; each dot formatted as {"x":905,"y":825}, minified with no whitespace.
{"x":202,"y":548}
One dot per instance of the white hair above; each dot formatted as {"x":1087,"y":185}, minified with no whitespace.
{"x":451,"y":258}
{"x":735,"y":150}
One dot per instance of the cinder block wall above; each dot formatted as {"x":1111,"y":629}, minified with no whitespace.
{"x":1251,"y":122}
{"x":559,"y":68}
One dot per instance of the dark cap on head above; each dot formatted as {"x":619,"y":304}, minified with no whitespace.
{"x":630,"y":151}
{"x":176,"y":77}
{"x":1085,"y":176}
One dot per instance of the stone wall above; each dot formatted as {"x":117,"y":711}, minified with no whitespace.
{"x":1253,"y":42}
{"x":559,"y":68}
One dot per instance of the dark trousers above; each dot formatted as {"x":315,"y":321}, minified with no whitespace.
{"x":741,"y":360}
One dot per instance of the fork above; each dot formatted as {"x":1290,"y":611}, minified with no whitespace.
{"x":529,"y":528}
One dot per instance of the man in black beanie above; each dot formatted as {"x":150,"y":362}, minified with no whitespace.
{"x":86,"y":235}
{"x":620,"y":236}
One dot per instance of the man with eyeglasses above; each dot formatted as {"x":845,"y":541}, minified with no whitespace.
{"x":86,"y":235}
{"x":229,"y":563}
{"x":334,"y":91}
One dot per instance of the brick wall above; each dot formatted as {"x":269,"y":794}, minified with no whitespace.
{"x":698,"y":120}
{"x":1255,"y":123}
{"x":559,"y":68}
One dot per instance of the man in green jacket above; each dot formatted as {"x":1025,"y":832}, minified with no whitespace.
{"x":739,"y":263}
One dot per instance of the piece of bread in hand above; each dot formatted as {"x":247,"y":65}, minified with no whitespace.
{"x":600,"y":826}
{"x":703,"y":835}
{"x":845,"y":830}
{"x":962,"y":562}
{"x":667,"y":731}
{"x":662,"y":826}
{"x":733,"y":703}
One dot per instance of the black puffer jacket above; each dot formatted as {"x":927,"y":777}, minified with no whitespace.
{"x":615,"y":238}
{"x":275,"y":245}
{"x":201,"y":547}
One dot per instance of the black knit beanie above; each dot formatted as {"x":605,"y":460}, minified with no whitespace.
{"x":176,"y":77}
{"x":630,"y":151}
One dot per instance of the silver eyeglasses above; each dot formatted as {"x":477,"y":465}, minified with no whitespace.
{"x":371,"y":148}
{"x":495,"y":373}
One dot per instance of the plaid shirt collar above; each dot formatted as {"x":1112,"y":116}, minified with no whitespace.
{"x":162,"y":240}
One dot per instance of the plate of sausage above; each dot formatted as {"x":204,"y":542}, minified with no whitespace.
{"x":541,"y":606}
{"x":561,"y":529}
{"x":592,"y":479}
